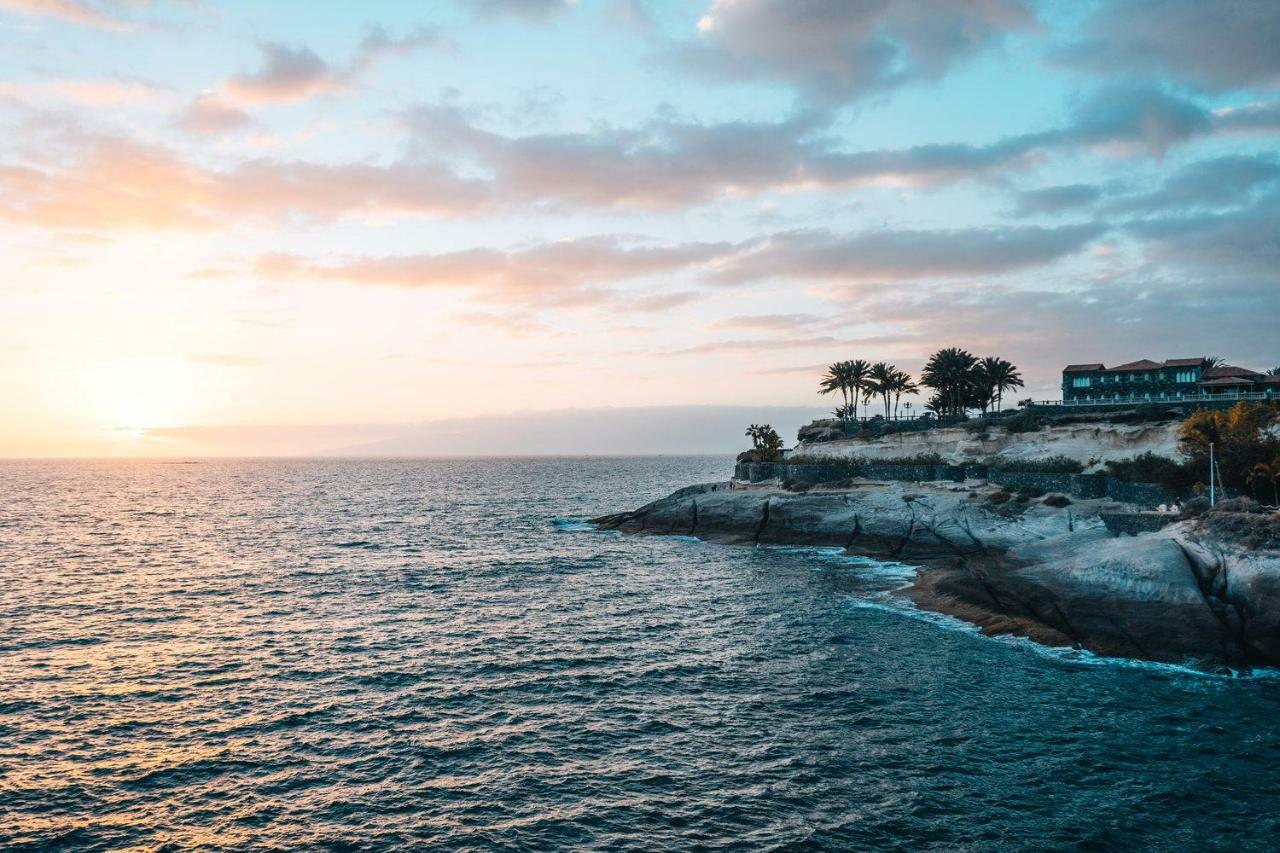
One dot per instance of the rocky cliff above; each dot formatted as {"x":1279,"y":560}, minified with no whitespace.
{"x":1094,"y":442}
{"x":1185,"y":594}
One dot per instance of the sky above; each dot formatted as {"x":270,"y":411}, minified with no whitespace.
{"x":294,"y":227}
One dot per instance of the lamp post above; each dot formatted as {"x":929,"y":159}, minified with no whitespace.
{"x":1213,"y":495}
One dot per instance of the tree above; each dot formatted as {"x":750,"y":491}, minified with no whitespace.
{"x":1275,"y":371}
{"x":1000,"y":376}
{"x":766,"y":444}
{"x":951,"y":373}
{"x":1265,"y":473}
{"x":880,"y":381}
{"x":835,"y":379}
{"x":902,"y":384}
{"x":1241,"y":438}
{"x":857,"y":378}
{"x":1212,"y":361}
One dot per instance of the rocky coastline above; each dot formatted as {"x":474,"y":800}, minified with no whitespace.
{"x":1201,"y":591}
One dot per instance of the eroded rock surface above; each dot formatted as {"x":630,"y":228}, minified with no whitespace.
{"x":1052,"y":574}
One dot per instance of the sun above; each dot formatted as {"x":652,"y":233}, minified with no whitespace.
{"x":133,"y":395}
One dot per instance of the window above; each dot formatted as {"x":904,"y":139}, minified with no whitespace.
{"x":1080,"y":382}
{"x":1185,"y":376}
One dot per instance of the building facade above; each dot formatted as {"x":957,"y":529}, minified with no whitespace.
{"x":1177,"y":379}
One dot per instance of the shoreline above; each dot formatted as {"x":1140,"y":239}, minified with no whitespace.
{"x":1054,"y":575}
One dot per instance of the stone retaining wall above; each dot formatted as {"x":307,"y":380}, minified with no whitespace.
{"x":1143,"y":494}
{"x":1134,"y":523}
{"x":1078,"y":486}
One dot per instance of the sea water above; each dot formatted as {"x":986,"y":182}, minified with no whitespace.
{"x":358,"y":655}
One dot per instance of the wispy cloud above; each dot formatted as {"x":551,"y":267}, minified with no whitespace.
{"x":104,"y":15}
{"x":115,"y":183}
{"x":901,"y":255}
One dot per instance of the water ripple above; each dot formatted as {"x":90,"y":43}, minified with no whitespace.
{"x":366,"y":655}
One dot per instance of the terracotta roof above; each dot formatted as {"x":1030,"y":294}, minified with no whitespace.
{"x":1140,"y":364}
{"x":1228,"y":380}
{"x":1183,"y":362}
{"x":1229,"y":370}
{"x":1082,"y":368}
{"x":1269,"y":380}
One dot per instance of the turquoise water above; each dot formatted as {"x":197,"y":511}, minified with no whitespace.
{"x":365,"y":655}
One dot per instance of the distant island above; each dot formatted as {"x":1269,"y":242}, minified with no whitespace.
{"x":1136,"y":517}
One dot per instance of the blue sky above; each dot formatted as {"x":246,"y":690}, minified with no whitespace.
{"x":301,"y":214}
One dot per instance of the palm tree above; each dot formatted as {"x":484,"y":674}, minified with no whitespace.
{"x":835,"y":380}
{"x":1264,"y":472}
{"x":951,"y":372}
{"x":1212,"y":361}
{"x":857,"y":371}
{"x":1275,"y":371}
{"x":1000,"y":376}
{"x":902,"y":384}
{"x":880,"y":381}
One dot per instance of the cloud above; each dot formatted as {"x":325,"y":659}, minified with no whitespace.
{"x":658,"y":302}
{"x":889,"y":255}
{"x":662,"y":164}
{"x":1240,"y":244}
{"x":105,"y":92}
{"x":668,"y":163}
{"x":1057,"y":199}
{"x":570,"y":272}
{"x":1216,"y":46}
{"x":227,"y":360}
{"x":750,"y":345}
{"x":530,"y":10}
{"x":287,"y":74}
{"x":379,"y":44}
{"x":119,"y":184}
{"x":579,"y":272}
{"x":209,"y":114}
{"x":833,"y":50}
{"x":105,"y":15}
{"x":1113,"y":321}
{"x":771,"y":322}
{"x":1219,"y":182}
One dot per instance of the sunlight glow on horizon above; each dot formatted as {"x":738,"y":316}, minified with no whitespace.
{"x":357,"y":217}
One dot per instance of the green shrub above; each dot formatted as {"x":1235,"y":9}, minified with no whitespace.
{"x":1173,"y":476}
{"x":1030,"y":492}
{"x":1024,"y":421}
{"x":999,"y":497}
{"x":1047,"y":465}
{"x":1057,"y":501}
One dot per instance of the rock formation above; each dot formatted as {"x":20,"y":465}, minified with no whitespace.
{"x":1185,"y":594}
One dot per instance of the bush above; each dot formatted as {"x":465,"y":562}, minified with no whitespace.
{"x":1195,"y":507}
{"x":1029,"y":492}
{"x":999,"y":497}
{"x":1024,"y":421}
{"x":1240,"y":505}
{"x":1147,"y":413}
{"x":1047,"y":465}
{"x":1057,"y":501}
{"x":1173,"y":476}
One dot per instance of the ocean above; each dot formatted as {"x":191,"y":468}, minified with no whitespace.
{"x":438,"y":654}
